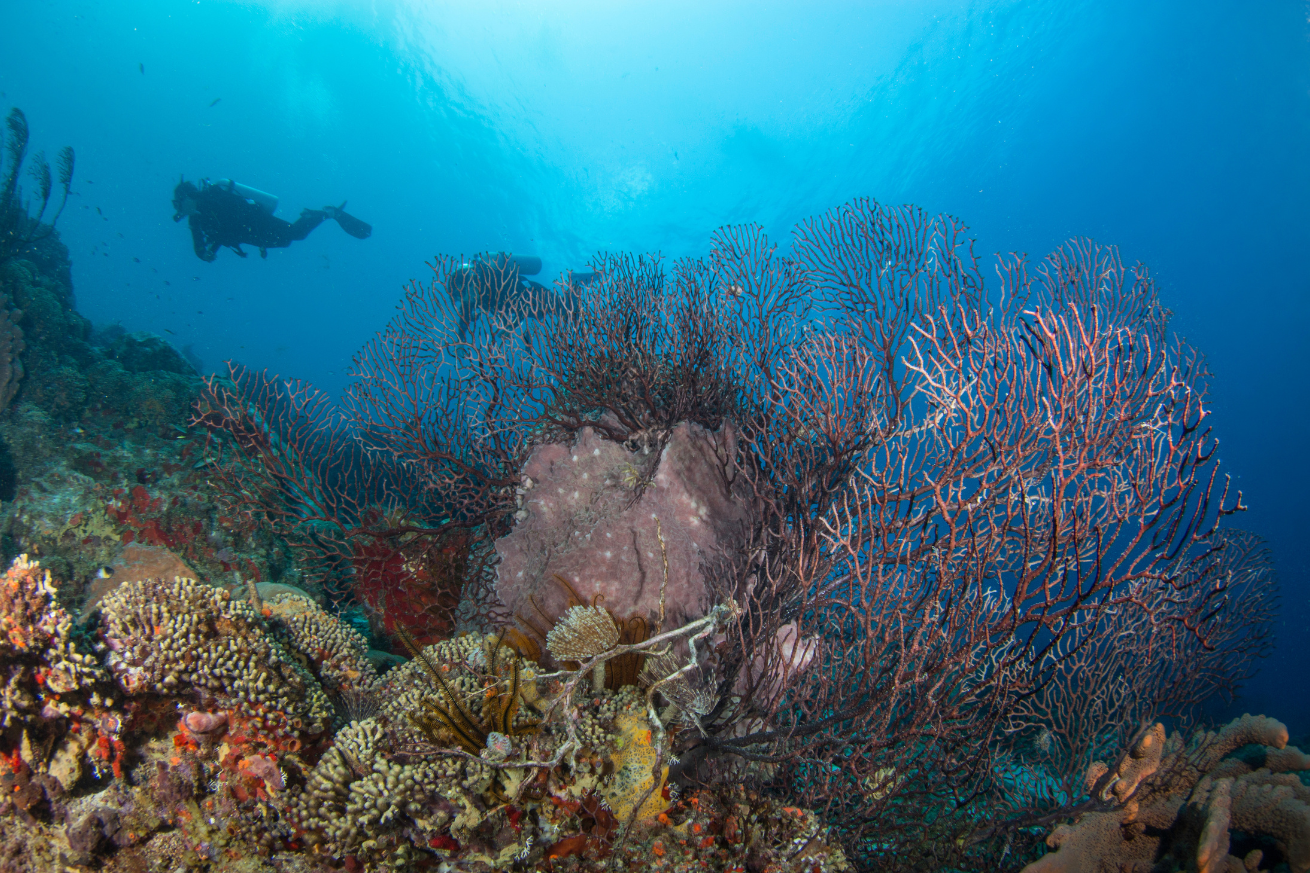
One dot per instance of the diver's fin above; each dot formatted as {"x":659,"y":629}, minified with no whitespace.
{"x":349,"y":223}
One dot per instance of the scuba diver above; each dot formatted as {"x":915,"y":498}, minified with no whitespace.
{"x":227,"y":213}
{"x":493,"y":283}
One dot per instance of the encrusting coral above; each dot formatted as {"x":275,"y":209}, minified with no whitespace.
{"x":1183,"y":802}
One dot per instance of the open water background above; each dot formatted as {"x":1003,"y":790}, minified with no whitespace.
{"x":1179,"y":131}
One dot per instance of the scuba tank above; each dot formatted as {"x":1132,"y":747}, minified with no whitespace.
{"x":526,"y":265}
{"x":262,"y":199}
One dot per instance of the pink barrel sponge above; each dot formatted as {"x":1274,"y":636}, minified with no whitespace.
{"x":595,"y":513}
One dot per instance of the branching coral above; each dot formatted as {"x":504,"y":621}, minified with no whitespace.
{"x":358,"y":795}
{"x":185,"y":637}
{"x":332,"y":650}
{"x":55,"y":703}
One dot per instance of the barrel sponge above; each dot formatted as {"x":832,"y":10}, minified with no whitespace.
{"x":1182,"y":801}
{"x":604,"y":519}
{"x":178,"y":636}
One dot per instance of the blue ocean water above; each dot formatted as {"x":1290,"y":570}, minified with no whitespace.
{"x":1178,"y":131}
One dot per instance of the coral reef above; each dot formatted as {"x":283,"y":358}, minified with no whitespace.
{"x":215,"y":749}
{"x":83,"y":495}
{"x":1193,"y":803}
{"x":735,"y":590}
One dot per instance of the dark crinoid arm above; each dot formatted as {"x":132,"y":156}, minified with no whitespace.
{"x":506,"y":706}
{"x":470,"y":734}
{"x":450,"y":714}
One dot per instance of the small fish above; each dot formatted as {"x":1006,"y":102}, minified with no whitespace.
{"x":166,"y":282}
{"x":166,"y":330}
{"x":195,"y":278}
{"x":142,"y":68}
{"x":98,"y":212}
{"x":215,"y":103}
{"x":136,"y":260}
{"x":104,"y":573}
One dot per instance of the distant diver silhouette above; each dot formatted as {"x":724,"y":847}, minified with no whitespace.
{"x":227,"y":213}
{"x":493,"y":283}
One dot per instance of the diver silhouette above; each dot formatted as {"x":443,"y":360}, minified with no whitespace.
{"x":493,"y":284}
{"x":227,"y":213}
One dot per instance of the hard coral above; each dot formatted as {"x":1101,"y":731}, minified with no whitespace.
{"x":184,"y":637}
{"x":1184,"y":802}
{"x":52,"y":715}
{"x":361,"y":802}
{"x":331,"y":649}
